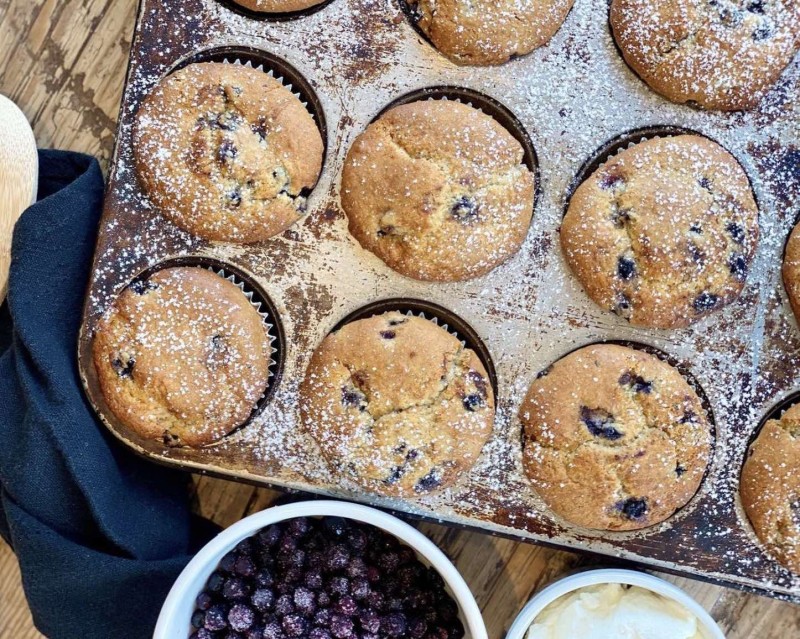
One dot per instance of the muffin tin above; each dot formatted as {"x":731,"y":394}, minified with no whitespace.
{"x":349,"y":59}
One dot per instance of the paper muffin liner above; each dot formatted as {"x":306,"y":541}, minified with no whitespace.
{"x":438,"y":315}
{"x":262,"y":305}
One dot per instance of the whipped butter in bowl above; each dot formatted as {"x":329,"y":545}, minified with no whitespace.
{"x":613,"y":604}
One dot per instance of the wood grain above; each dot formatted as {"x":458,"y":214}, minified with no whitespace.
{"x":63,"y":62}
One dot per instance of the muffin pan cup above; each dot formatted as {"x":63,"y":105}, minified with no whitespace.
{"x":352,"y":59}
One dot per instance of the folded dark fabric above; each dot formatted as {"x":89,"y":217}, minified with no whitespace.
{"x":100,"y":533}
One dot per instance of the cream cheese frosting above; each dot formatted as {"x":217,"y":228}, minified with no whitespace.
{"x":615,"y":611}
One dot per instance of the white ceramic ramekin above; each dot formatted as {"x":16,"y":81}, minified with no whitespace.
{"x":173,"y":622}
{"x":563,"y":586}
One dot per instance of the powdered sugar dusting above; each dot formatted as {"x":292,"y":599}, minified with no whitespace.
{"x":572,"y":95}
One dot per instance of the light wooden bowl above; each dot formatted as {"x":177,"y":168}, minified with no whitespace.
{"x":19,"y":169}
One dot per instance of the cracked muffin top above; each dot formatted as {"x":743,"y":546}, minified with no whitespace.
{"x":791,"y":270}
{"x":718,"y":54}
{"x":226,"y":152}
{"x":397,"y":404}
{"x":437,"y":190}
{"x":614,"y":438}
{"x":182,"y":357}
{"x":277,"y":6}
{"x":484,"y":33}
{"x":770,"y":487}
{"x":664,"y":232}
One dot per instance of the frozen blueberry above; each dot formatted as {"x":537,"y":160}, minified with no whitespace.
{"x":319,"y":633}
{"x":705,"y":302}
{"x":341,"y":627}
{"x":299,"y":526}
{"x":269,"y":536}
{"x":263,"y":599}
{"x":370,"y":620}
{"x":215,"y":582}
{"x":284,"y":605}
{"x":360,"y":589}
{"x":313,"y":579}
{"x":337,"y":558}
{"x":335,"y":526}
{"x":626,"y":268}
{"x":244,"y":547}
{"x":203,"y":601}
{"x":356,"y":539}
{"x":198,"y":618}
{"x":235,"y":588}
{"x":216,"y":618}
{"x":264,"y":578}
{"x":600,"y":423}
{"x":455,"y":629}
{"x":633,"y":508}
{"x":636,"y":382}
{"x":417,"y":628}
{"x":322,"y":617}
{"x":273,"y":630}
{"x":323,"y":599}
{"x":244,"y":566}
{"x":202,"y":633}
{"x":241,"y":617}
{"x":294,"y":625}
{"x":394,"y":624}
{"x":339,"y":586}
{"x":255,"y":632}
{"x":737,"y":263}
{"x":227,"y":563}
{"x":346,"y":606}
{"x":464,"y":209}
{"x":304,"y":600}
{"x":389,"y":561}
{"x":357,"y":567}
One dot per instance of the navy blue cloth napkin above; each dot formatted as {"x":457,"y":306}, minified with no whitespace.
{"x":100,"y":533}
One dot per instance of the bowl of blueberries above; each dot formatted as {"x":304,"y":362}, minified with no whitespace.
{"x":320,"y":570}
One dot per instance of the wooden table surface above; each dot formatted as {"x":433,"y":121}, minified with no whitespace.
{"x":63,"y":62}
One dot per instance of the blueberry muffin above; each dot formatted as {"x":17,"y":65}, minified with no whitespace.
{"x":718,"y":54}
{"x":438,"y":191}
{"x":791,"y":270}
{"x":226,"y":152}
{"x":770,"y":487}
{"x":664,"y":232}
{"x":277,"y":6}
{"x":614,"y":438}
{"x":489,"y":33}
{"x":182,"y":357}
{"x":397,"y":404}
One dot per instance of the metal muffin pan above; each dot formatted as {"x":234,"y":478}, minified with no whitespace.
{"x":571,"y":98}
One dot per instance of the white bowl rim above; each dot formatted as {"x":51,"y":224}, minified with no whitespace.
{"x":246,"y":527}
{"x":645,"y":580}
